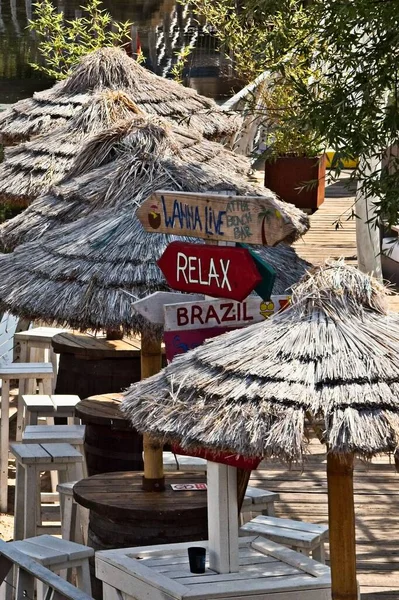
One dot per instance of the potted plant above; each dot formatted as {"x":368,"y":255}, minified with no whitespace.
{"x":295,"y":166}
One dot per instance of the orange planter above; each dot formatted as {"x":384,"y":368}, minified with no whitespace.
{"x":286,"y":174}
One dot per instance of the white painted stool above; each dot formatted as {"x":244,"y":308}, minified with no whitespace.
{"x":38,"y":338}
{"x":74,"y":518}
{"x":255,"y":501}
{"x":39,"y":372}
{"x":306,"y":538}
{"x":57,"y":555}
{"x":49,"y":406}
{"x":31,"y":460}
{"x":61,"y":434}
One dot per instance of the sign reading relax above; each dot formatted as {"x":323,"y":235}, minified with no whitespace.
{"x":247,"y":219}
{"x":218,"y":271}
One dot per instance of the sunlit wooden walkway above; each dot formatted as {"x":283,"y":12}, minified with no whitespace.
{"x":303,"y":495}
{"x":332,"y":232}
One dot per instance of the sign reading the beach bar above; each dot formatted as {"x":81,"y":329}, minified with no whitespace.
{"x":247,"y":219}
{"x":219,"y":271}
{"x":189,"y":324}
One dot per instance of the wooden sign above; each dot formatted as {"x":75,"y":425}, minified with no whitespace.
{"x":247,"y":219}
{"x":218,"y":271}
{"x":152,"y":307}
{"x":188,"y":325}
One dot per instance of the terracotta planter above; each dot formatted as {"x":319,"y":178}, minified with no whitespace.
{"x":286,"y":174}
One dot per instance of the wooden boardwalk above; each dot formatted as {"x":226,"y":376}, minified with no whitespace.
{"x":303,"y":496}
{"x":332,"y":232}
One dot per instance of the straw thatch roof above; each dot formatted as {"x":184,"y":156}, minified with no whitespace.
{"x":112,"y":69}
{"x":122,"y":166}
{"x":77,"y":272}
{"x":30,"y":168}
{"x":332,"y":356}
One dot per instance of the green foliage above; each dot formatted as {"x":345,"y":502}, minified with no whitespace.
{"x":178,"y":67}
{"x":62,"y":43}
{"x":340,"y":62}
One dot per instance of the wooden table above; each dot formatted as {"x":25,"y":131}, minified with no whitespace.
{"x":93,"y":365}
{"x":267,"y":571}
{"x":123,"y":514}
{"x":111,"y":444}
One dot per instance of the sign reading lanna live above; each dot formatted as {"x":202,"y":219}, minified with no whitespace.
{"x":247,"y":219}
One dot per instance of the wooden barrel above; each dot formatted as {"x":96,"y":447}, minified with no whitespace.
{"x":123,"y":515}
{"x":111,"y":444}
{"x":91,"y":365}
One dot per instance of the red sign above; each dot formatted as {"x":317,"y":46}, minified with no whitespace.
{"x":179,"y":342}
{"x":218,"y":271}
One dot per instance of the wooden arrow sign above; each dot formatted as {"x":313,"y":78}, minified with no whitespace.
{"x":189,"y":324}
{"x":152,"y":307}
{"x":247,"y":219}
{"x":218,"y":271}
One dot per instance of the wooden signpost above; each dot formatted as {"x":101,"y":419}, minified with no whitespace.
{"x":152,"y":307}
{"x":247,"y":219}
{"x":219,"y":271}
{"x":189,"y":324}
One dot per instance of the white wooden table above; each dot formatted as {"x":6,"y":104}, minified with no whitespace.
{"x":267,"y":571}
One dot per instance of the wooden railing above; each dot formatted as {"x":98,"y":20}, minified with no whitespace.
{"x":30,"y":571}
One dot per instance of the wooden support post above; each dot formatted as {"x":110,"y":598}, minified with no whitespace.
{"x":243,"y":476}
{"x":341,"y":516}
{"x":367,"y":234}
{"x":151,"y":363}
{"x":222,"y":518}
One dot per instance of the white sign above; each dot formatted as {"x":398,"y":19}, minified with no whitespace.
{"x":151,"y":307}
{"x":221,"y":313}
{"x":184,"y":487}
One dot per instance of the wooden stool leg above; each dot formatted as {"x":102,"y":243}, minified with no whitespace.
{"x":5,"y":409}
{"x":269,"y":511}
{"x":83,"y":577}
{"x":67,"y":518}
{"x":19,"y":503}
{"x":319,"y":553}
{"x":53,"y":358}
{"x":83,"y":521}
{"x":30,"y":529}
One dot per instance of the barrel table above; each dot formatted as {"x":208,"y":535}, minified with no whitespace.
{"x":93,"y":365}
{"x":122,"y":514}
{"x":111,"y":444}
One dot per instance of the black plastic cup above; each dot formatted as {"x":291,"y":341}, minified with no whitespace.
{"x":196,"y":557}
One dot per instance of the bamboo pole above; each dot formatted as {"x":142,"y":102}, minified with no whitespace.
{"x":341,"y":517}
{"x":151,"y":363}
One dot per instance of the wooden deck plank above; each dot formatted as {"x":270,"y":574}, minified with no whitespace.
{"x":303,"y":496}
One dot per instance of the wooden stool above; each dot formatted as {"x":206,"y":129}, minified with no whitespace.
{"x":255,"y":500}
{"x":61,"y":434}
{"x":42,"y":372}
{"x":303,"y":537}
{"x":38,"y":338}
{"x":49,"y":406}
{"x":57,"y":555}
{"x":31,"y":459}
{"x":74,"y":518}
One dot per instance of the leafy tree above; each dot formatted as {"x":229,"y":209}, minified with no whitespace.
{"x":62,"y":43}
{"x":340,"y":59}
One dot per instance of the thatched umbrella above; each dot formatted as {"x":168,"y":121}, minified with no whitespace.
{"x":112,"y":69}
{"x":77,"y":272}
{"x":30,"y":168}
{"x":123,"y":165}
{"x":332,"y":356}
